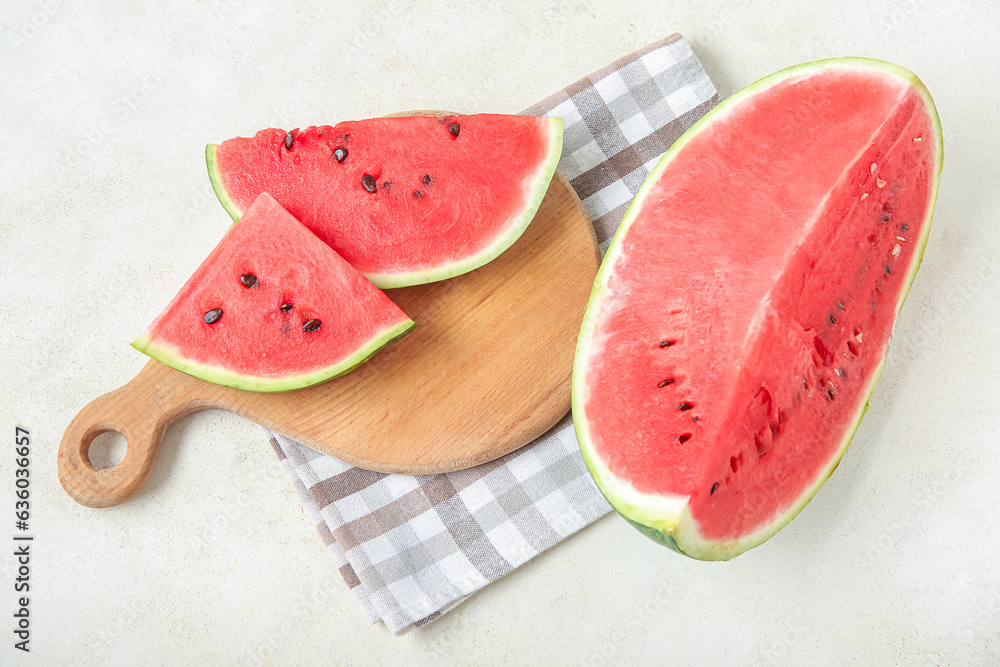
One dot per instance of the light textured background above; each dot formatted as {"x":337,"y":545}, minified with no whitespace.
{"x":106,"y":209}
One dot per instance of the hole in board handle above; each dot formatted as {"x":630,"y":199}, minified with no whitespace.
{"x":107,"y":449}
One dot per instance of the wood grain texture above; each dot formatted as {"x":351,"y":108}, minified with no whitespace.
{"x":486,"y":371}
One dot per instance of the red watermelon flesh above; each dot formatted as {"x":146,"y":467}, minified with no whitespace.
{"x":743,"y":311}
{"x":405,"y":200}
{"x":272,"y":308}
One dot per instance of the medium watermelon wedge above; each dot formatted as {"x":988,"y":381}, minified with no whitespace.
{"x":406,"y":200}
{"x":272,"y":308}
{"x":742,"y":314}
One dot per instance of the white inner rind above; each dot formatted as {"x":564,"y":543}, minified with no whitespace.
{"x":670,"y":513}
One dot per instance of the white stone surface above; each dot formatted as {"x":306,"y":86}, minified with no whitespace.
{"x":106,"y":209}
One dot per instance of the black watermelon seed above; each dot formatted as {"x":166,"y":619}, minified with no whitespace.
{"x":885,"y":218}
{"x":667,"y":343}
{"x":248,"y":280}
{"x":387,"y":185}
{"x":311,"y":325}
{"x":340,"y":154}
{"x":285,"y":307}
{"x":417,"y":194}
{"x":427,"y":179}
{"x":684,"y":406}
{"x":888,"y":270}
{"x":369,"y":183}
{"x":843,"y":373}
{"x":715,"y":487}
{"x":212,"y":316}
{"x":683,"y":438}
{"x":829,"y":392}
{"x":288,"y":141}
{"x":696,"y":419}
{"x":833,"y":320}
{"x":904,"y":226}
{"x":455,"y":128}
{"x":666,"y":382}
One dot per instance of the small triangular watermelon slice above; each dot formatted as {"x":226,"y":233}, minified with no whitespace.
{"x":406,"y":200}
{"x":272,"y":308}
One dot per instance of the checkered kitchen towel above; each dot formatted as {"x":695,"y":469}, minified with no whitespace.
{"x":413,"y":547}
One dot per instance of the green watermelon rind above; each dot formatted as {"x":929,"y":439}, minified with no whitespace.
{"x":538,"y":186}
{"x":169,"y":356}
{"x":666,"y":518}
{"x":211,"y":158}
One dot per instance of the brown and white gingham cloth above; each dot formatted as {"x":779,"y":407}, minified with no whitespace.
{"x":413,"y":547}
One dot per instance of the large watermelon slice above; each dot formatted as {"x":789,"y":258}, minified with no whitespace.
{"x":272,"y":308}
{"x":406,"y":200}
{"x":742,"y":314}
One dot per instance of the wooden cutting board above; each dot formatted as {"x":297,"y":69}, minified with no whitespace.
{"x":486,"y":371}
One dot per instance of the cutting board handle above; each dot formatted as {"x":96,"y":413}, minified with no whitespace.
{"x":141,"y":411}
